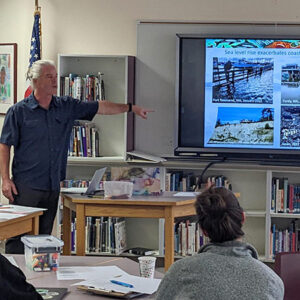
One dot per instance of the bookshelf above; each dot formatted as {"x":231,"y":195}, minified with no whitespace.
{"x":243,"y":179}
{"x":254,"y":184}
{"x":116,"y":131}
{"x":283,"y":218}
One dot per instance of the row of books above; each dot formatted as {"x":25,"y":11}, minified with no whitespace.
{"x":68,"y":183}
{"x":188,"y":238}
{"x":102,"y":235}
{"x":179,"y":181}
{"x":84,"y":141}
{"x":285,"y":196}
{"x":284,"y":240}
{"x":87,"y":88}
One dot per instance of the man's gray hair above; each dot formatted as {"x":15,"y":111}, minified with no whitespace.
{"x":35,"y":71}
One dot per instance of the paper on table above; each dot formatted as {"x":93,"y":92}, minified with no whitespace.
{"x":12,"y":261}
{"x":74,"y":190}
{"x":9,"y":216}
{"x":71,"y":273}
{"x":18,"y":209}
{"x":186,"y":194}
{"x":140,"y":284}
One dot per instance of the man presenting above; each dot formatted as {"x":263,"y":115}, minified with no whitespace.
{"x":39,"y":129}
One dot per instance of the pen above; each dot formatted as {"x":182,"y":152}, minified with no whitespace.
{"x":122,"y":283}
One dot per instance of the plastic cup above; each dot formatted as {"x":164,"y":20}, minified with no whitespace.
{"x":147,"y":266}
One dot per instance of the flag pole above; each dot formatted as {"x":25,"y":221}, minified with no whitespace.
{"x":38,"y":12}
{"x":35,"y":45}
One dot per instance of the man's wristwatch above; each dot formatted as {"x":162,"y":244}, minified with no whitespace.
{"x":129,"y":107}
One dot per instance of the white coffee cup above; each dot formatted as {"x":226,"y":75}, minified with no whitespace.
{"x":147,"y":266}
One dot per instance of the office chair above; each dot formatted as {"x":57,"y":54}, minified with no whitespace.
{"x":287,"y":266}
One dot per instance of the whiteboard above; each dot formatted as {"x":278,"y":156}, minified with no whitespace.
{"x":156,"y":75}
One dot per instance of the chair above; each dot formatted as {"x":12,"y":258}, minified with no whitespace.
{"x":287,"y":266}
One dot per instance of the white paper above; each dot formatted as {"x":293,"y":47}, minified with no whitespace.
{"x":71,"y":273}
{"x":186,"y":194}
{"x":9,"y":216}
{"x":140,"y":284}
{"x":74,"y":190}
{"x":18,"y":209}
{"x":12,"y":261}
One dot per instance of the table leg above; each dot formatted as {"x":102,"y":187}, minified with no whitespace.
{"x":66,"y":230}
{"x":80,"y":230}
{"x":169,"y":237}
{"x":35,"y":225}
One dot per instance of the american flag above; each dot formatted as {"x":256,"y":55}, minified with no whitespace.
{"x":35,"y":48}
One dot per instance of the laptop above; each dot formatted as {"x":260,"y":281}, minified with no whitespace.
{"x":94,"y":184}
{"x":93,"y":187}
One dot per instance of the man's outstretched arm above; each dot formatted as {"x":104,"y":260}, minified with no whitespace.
{"x":111,"y":108}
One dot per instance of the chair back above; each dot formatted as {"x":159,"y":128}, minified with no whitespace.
{"x":287,"y":266}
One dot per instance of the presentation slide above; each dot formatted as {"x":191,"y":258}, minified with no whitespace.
{"x":252,"y":93}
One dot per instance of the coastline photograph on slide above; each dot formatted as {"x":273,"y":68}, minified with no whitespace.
{"x":243,"y":80}
{"x":290,"y":126}
{"x":290,"y":84}
{"x":239,"y":125}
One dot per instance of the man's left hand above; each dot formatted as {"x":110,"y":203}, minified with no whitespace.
{"x":140,"y":111}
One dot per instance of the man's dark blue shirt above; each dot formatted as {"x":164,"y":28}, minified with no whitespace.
{"x":41,"y":138}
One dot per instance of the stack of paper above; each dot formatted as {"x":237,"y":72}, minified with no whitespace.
{"x":101,"y":277}
{"x":11,"y":211}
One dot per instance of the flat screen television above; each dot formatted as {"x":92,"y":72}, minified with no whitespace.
{"x":238,"y":98}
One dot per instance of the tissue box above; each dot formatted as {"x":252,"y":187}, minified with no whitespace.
{"x":42,"y":252}
{"x":118,"y":189}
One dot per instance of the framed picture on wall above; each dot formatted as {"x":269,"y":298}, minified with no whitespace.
{"x":8,"y":76}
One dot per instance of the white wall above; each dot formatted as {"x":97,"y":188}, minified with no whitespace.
{"x":109,"y":26}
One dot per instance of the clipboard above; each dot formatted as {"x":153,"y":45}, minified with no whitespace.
{"x":97,"y":291}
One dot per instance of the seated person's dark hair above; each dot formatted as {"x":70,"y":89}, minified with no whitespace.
{"x":219,"y":214}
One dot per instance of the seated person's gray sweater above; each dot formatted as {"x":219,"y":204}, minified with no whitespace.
{"x":226,"y":271}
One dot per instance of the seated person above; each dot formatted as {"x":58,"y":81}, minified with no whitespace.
{"x":13,"y":284}
{"x":226,"y":268}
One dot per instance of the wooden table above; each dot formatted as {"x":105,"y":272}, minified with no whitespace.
{"x":48,"y":279}
{"x":166,"y":207}
{"x":24,"y":224}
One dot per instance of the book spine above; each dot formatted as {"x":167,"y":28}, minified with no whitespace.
{"x":93,"y":142}
{"x":285,"y":195}
{"x":83,"y":134}
{"x":78,"y":88}
{"x":97,"y":147}
{"x":168,"y":182}
{"x":66,"y":87}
